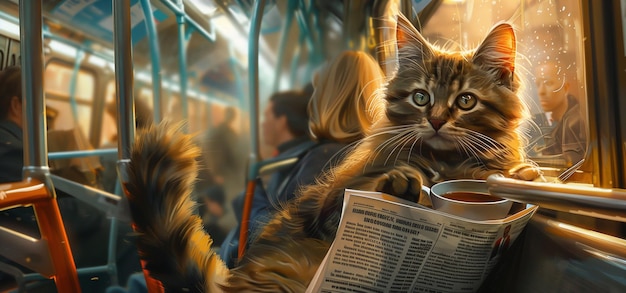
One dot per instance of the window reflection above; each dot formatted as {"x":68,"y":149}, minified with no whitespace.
{"x":550,"y":63}
{"x":558,"y":132}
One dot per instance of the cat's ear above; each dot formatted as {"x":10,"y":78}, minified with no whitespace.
{"x":497,"y":52}
{"x":408,"y":36}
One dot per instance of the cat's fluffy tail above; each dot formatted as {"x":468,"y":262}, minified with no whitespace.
{"x":171,"y":239}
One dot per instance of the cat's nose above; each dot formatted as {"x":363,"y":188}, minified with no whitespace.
{"x":437,"y":123}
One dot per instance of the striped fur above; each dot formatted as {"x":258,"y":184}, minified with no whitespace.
{"x":171,"y":239}
{"x":398,"y":157}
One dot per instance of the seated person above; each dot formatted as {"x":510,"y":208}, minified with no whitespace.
{"x":563,"y":140}
{"x":284,"y":127}
{"x":87,"y":228}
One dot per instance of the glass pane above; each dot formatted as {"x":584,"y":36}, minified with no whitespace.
{"x":550,"y":64}
{"x":57,"y":79}
{"x":108,"y":133}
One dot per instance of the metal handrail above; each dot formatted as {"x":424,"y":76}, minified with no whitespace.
{"x":284,"y":36}
{"x":181,"y":12}
{"x":182,"y":60}
{"x":584,"y":200}
{"x":155,"y":56}
{"x":609,"y":245}
{"x":81,"y":153}
{"x":255,"y":151}
{"x":98,"y":199}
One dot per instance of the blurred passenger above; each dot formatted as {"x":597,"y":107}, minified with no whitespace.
{"x":344,"y":105}
{"x":223,"y":166}
{"x":284,"y":128}
{"x":562,"y":125}
{"x":11,"y":148}
{"x":87,"y":228}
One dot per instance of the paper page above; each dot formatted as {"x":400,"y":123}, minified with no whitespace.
{"x":385,"y":244}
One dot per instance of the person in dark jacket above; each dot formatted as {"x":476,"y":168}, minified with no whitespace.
{"x":284,"y":128}
{"x":11,"y":148}
{"x":87,"y":227}
{"x":562,"y":124}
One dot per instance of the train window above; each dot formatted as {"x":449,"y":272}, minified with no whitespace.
{"x":196,"y":112}
{"x":13,"y":53}
{"x":550,"y":62}
{"x":4,"y":44}
{"x":58,"y":78}
{"x":108,"y":133}
{"x":143,"y":107}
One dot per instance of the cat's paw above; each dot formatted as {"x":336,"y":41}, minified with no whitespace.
{"x":403,"y":181}
{"x":527,"y":172}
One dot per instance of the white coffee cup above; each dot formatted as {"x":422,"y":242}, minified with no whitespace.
{"x":469,"y":199}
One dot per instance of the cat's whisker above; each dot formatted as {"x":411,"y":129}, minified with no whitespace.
{"x":489,"y":144}
{"x":494,"y":143}
{"x":472,"y":151}
{"x":466,"y":150}
{"x":460,"y":149}
{"x":397,"y":138}
{"x":481,"y":143}
{"x":418,"y":138}
{"x":406,"y":140}
{"x":394,"y":132}
{"x":484,"y":149}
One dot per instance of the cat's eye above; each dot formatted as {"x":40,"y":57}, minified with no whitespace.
{"x":466,"y":101}
{"x":421,"y":98}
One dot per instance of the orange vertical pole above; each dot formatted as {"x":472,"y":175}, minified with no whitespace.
{"x":53,"y":231}
{"x":245,"y":217}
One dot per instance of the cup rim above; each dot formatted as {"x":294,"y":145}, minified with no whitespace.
{"x":483,"y":203}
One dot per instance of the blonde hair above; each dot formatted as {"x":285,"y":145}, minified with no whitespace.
{"x":347,"y":98}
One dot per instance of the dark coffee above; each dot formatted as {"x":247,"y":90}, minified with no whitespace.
{"x":470,"y":196}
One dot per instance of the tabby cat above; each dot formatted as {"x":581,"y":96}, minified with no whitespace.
{"x":448,"y":116}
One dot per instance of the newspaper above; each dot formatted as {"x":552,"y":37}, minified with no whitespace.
{"x":386,"y":244}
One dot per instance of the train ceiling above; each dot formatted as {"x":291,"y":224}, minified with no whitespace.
{"x":90,"y":22}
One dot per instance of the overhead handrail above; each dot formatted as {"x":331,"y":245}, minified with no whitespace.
{"x":303,"y":23}
{"x":182,"y":60}
{"x":284,"y":36}
{"x":264,"y":50}
{"x":316,"y":55}
{"x":180,"y":12}
{"x":155,"y":56}
{"x":309,"y":37}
